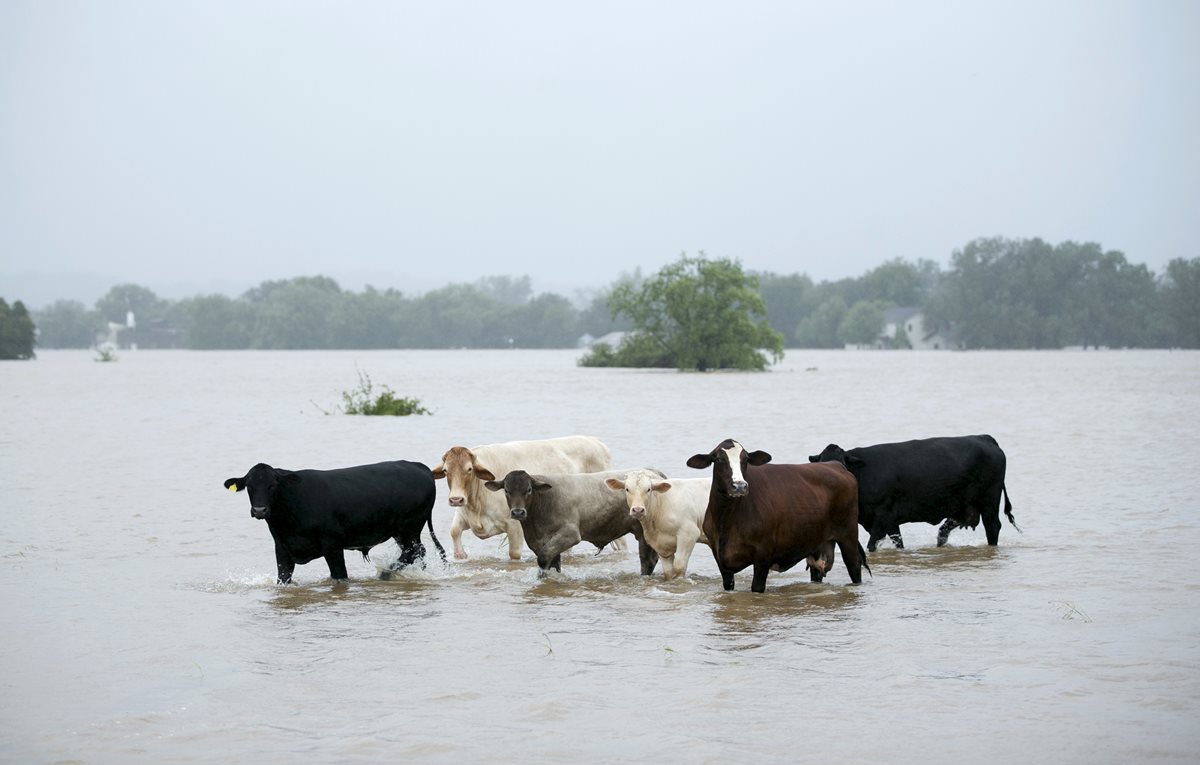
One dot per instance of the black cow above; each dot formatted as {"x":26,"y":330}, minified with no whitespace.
{"x":957,"y":480}
{"x":320,"y":513}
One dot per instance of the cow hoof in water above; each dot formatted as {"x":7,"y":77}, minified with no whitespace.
{"x":460,"y":555}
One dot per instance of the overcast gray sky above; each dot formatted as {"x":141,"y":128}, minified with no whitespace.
{"x":207,"y":146}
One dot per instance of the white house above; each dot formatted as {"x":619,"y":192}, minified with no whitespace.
{"x":912,"y":321}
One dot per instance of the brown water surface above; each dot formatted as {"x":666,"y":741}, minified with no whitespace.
{"x":142,"y":622}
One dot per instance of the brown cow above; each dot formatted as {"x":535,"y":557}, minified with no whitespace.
{"x":774,"y":516}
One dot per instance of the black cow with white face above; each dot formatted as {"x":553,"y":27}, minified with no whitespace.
{"x":955,"y":481}
{"x":321,"y":513}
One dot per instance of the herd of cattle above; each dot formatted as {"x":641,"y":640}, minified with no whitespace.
{"x":554,"y":493}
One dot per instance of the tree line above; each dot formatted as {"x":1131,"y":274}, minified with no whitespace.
{"x":996,"y":293}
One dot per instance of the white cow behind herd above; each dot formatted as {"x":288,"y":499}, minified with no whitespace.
{"x":486,"y":513}
{"x":671,"y":512}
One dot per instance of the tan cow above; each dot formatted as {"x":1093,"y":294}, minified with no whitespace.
{"x":671,"y":512}
{"x":486,"y":513}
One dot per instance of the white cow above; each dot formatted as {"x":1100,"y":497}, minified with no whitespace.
{"x":671,"y":512}
{"x":486,"y":513}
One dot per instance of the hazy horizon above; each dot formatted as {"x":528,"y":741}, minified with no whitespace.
{"x":197,"y":148}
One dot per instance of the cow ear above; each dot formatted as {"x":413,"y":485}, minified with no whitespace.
{"x":484,"y":474}
{"x":494,"y":485}
{"x":613,"y":483}
{"x":700,"y":461}
{"x":814,"y":458}
{"x":758,"y":458}
{"x":661,"y":487}
{"x":541,"y":485}
{"x":439,"y":472}
{"x":235,"y":484}
{"x":852,"y":461}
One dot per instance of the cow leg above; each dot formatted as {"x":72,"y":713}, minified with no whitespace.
{"x":991,"y":526}
{"x":456,"y":529}
{"x":684,"y":544}
{"x":759,"y":583}
{"x":944,"y":532}
{"x":727,"y":579}
{"x":849,"y":547}
{"x":285,"y":563}
{"x":411,"y":551}
{"x":648,"y":557}
{"x":646,"y":554}
{"x":546,"y":562}
{"x":877,"y":533}
{"x":896,"y":538}
{"x":668,"y":565}
{"x":516,"y":539}
{"x":335,"y":558}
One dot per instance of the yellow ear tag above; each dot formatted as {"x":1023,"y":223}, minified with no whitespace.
{"x":233,"y":487}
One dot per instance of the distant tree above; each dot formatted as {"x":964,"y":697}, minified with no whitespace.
{"x":1181,"y":302}
{"x":697,"y":313}
{"x":123,"y":298}
{"x":862,"y":324}
{"x":820,"y":330}
{"x":458,"y":316}
{"x":899,"y":283}
{"x":295,"y":313}
{"x":216,"y":322}
{"x":787,"y":300}
{"x":546,"y":321}
{"x":1114,"y":303}
{"x":1003,"y":293}
{"x":67,"y":324}
{"x":16,"y":331}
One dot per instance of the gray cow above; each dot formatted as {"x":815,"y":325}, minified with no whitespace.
{"x":560,"y":510}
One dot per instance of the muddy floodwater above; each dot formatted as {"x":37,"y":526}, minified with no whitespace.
{"x":142,"y":622}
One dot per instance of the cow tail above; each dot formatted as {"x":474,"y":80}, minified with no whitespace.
{"x":1008,"y":509}
{"x":436,"y":543}
{"x":862,"y":556}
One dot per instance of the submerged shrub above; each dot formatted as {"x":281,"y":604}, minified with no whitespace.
{"x":364,"y":400}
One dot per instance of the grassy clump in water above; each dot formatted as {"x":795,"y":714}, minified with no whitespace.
{"x":364,"y":400}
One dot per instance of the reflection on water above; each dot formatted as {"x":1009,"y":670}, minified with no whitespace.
{"x":893,"y":562}
{"x":782,"y":607}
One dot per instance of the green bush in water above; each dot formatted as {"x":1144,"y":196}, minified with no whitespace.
{"x":364,"y":400}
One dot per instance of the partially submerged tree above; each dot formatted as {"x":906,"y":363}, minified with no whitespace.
{"x":696,"y":313}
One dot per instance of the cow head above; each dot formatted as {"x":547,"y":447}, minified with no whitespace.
{"x":261,"y":484}
{"x":459,"y":467}
{"x":637,"y":487}
{"x":729,"y":461}
{"x":518,"y":487}
{"x":835,"y":453}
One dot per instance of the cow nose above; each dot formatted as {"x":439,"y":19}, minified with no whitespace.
{"x":740,"y":488}
{"x":260,"y":513}
{"x":457,"y":501}
{"x":518,"y":513}
{"x":637,"y":512}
